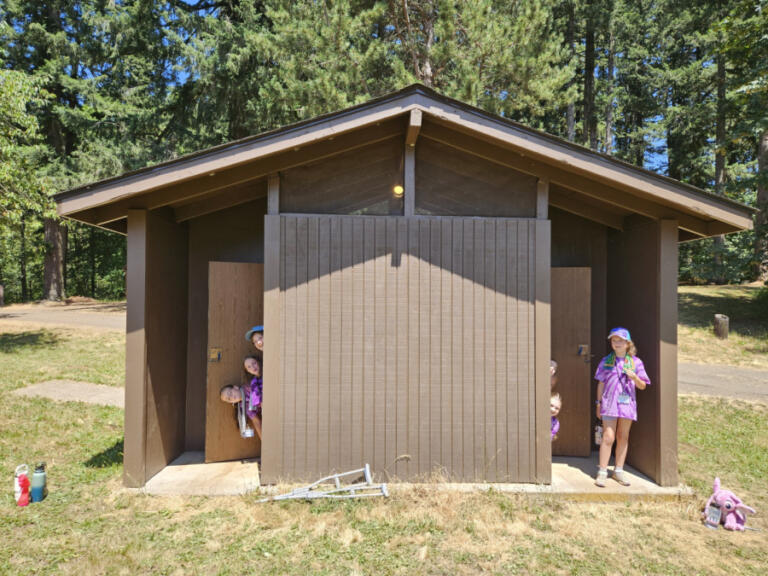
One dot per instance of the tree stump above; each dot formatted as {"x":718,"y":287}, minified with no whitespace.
{"x":721,"y":326}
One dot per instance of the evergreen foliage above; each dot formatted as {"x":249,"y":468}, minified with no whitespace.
{"x":90,"y":89}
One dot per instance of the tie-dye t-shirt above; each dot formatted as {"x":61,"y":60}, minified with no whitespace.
{"x":619,"y":399}
{"x":253,"y":395}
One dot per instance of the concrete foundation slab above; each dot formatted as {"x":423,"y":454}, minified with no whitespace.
{"x":572,"y":478}
{"x":189,"y":475}
{"x":575,"y":478}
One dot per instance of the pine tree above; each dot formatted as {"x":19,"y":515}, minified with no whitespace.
{"x":22,"y":193}
{"x":636,"y":81}
{"x":41,"y":25}
{"x":108,"y":69}
{"x":504,"y":57}
{"x":745,"y":47}
{"x":688,"y":75}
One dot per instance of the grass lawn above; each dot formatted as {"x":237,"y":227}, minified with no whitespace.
{"x":90,"y":525}
{"x":31,"y":355}
{"x":747,"y":343}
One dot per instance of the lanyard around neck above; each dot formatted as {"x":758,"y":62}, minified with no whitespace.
{"x":610,"y":362}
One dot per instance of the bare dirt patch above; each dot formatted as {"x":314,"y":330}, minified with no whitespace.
{"x":81,"y":313}
{"x":73,"y":391}
{"x":80,"y":303}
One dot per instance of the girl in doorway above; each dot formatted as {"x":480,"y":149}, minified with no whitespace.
{"x":254,"y":390}
{"x":618,"y":376}
{"x":555,"y":404}
{"x":552,"y":375}
{"x":256,"y":337}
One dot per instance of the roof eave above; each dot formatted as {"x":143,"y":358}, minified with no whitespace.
{"x":544,"y":147}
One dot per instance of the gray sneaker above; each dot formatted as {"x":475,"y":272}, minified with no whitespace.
{"x":621,"y":477}
{"x":602,"y":476}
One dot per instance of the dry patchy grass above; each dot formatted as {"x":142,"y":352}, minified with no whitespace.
{"x":747,"y":343}
{"x":90,"y":524}
{"x":415,"y":533}
{"x":29,"y":355}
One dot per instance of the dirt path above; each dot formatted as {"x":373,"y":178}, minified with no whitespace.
{"x":709,"y":379}
{"x":720,"y":380}
{"x":73,"y":391}
{"x":77,"y":314}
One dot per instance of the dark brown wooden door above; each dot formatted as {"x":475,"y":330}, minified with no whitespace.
{"x":571,"y":294}
{"x":235,"y":303}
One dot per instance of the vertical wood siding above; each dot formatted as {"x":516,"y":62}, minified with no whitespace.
{"x":407,"y":343}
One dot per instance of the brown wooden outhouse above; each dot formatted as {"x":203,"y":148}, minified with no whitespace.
{"x":416,"y":263}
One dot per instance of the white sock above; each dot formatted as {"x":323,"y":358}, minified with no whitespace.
{"x":618,"y":469}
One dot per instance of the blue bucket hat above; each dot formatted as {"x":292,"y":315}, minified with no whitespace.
{"x":622,"y":333}
{"x":252,"y":331}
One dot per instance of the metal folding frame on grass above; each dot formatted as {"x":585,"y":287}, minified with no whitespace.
{"x":365,"y":489}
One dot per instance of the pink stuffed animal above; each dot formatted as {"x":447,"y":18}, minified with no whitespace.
{"x":732,"y":509}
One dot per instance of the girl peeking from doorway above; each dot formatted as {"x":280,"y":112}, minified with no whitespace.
{"x":618,"y":376}
{"x":254,"y":392}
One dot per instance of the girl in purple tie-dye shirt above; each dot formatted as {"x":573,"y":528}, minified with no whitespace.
{"x":618,"y":376}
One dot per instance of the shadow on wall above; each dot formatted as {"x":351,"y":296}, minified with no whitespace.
{"x":18,"y":342}
{"x":498,"y":254}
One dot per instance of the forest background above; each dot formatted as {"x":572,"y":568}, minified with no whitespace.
{"x":92,"y":89}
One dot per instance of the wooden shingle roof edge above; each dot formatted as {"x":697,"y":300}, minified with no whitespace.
{"x":543,"y":147}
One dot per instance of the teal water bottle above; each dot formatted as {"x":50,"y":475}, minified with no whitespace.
{"x":37,"y":488}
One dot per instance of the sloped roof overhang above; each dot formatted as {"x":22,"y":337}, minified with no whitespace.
{"x":602,"y":185}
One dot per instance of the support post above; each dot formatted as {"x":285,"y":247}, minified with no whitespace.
{"x":414,"y":127}
{"x":667,"y":384}
{"x":273,"y":194}
{"x":134,"y":451}
{"x":543,"y":351}
{"x":542,"y":199}
{"x":409,"y":163}
{"x":272,"y":447}
{"x":409,"y":178}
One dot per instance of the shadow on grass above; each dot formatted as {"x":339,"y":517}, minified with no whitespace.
{"x":107,"y":458}
{"x":22,"y":341}
{"x":118,"y":306}
{"x":698,"y":311}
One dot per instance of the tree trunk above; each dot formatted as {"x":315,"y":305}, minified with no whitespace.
{"x":720,"y":164}
{"x":639,"y":143}
{"x":590,"y":132}
{"x":609,"y":104}
{"x":425,"y":16}
{"x":65,"y":238}
{"x":570,"y":115}
{"x":720,"y":128}
{"x":92,"y":259}
{"x":761,"y":218}
{"x":53,"y":264}
{"x":427,"y":76}
{"x":77,"y":286}
{"x":23,"y":259}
